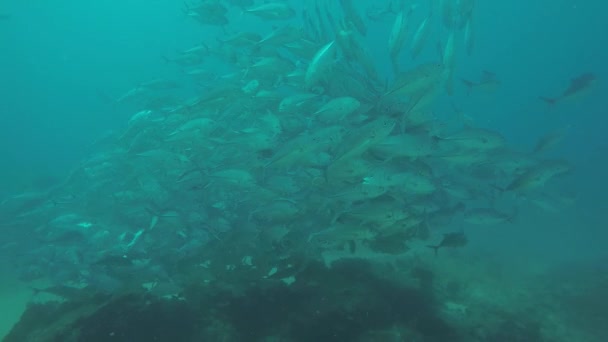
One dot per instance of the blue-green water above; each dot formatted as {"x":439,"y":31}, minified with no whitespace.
{"x":66,"y":67}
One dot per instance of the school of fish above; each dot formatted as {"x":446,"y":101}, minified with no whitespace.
{"x":310,"y":143}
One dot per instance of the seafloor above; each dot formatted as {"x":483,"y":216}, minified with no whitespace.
{"x":451,"y":298}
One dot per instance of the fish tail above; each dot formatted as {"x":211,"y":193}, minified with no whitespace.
{"x":435,"y":248}
{"x":548,"y":100}
{"x":436,"y":138}
{"x":395,"y":65}
{"x":352,"y":246}
{"x":468,"y":84}
{"x":500,"y":189}
{"x":512,"y":216}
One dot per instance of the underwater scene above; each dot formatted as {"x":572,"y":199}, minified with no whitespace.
{"x":304,"y":170}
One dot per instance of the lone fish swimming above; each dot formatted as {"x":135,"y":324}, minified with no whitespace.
{"x":577,"y":85}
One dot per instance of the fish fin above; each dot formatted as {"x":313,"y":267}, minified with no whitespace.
{"x":499,"y":188}
{"x":437,"y":138}
{"x":352,"y":246}
{"x":395,"y":64}
{"x":468,"y":84}
{"x":435,"y":248}
{"x":548,"y":100}
{"x":36,"y":291}
{"x":511,"y":218}
{"x":440,"y":52}
{"x":488,"y":76}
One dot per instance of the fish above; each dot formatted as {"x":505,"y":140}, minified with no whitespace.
{"x":302,"y":47}
{"x":270,"y":68}
{"x":362,"y":139}
{"x":416,"y":80}
{"x":577,"y":85}
{"x":238,"y":39}
{"x":356,"y":193}
{"x":333,"y":23}
{"x":415,"y":184}
{"x":159,"y":84}
{"x":509,"y":163}
{"x":296,"y":102}
{"x":278,"y":211}
{"x":202,"y":74}
{"x":537,"y":176}
{"x":208,"y":13}
{"x":350,"y":46}
{"x":298,"y":141}
{"x":319,"y":66}
{"x":397,"y":37}
{"x":553,"y":202}
{"x":452,"y":240}
{"x":339,"y":235}
{"x":325,"y":32}
{"x":475,"y":138}
{"x":241,"y":3}
{"x":337,"y":109}
{"x":376,"y":13}
{"x":311,"y":29}
{"x":421,"y":36}
{"x":448,"y":60}
{"x":282,"y":35}
{"x":550,"y":139}
{"x":487,"y":216}
{"x":456,"y":13}
{"x":405,"y":145}
{"x":488,"y":80}
{"x":379,"y":213}
{"x":200,"y":49}
{"x":352,"y":15}
{"x":185,"y":60}
{"x":272,"y":11}
{"x":469,"y":37}
{"x":63,"y":291}
{"x":302,"y":148}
